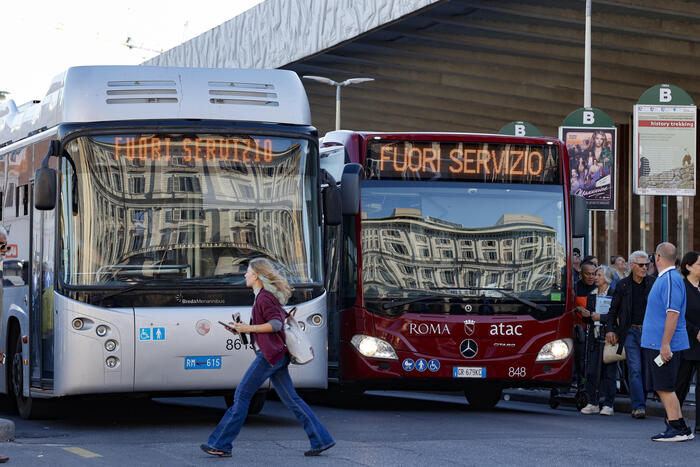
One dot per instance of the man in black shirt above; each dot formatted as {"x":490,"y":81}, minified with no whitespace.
{"x":587,"y":283}
{"x":626,"y":316}
{"x":582,"y":289}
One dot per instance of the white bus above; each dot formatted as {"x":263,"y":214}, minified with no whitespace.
{"x":132,"y":198}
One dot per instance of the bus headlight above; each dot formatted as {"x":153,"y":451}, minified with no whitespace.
{"x":110,"y":345}
{"x":78,"y":323}
{"x":101,"y":330}
{"x":373,"y":347}
{"x":555,"y":350}
{"x":112,"y":362}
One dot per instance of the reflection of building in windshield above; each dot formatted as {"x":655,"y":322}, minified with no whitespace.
{"x":407,"y":252}
{"x":208,"y":214}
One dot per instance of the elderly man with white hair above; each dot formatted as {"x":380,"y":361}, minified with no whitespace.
{"x":625,"y":325}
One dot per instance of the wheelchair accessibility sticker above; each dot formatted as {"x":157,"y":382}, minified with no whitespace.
{"x":152,"y":334}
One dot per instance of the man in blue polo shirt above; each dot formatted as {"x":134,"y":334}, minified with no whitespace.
{"x":663,"y":338}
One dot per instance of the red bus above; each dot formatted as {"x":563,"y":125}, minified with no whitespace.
{"x":452,"y":271}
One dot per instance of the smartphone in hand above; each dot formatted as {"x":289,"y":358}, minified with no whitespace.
{"x":237,"y":319}
{"x":229,"y":327}
{"x":659,"y":361}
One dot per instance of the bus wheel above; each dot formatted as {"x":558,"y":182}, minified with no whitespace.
{"x":256,"y":403}
{"x":27,"y":407}
{"x":483,"y":396}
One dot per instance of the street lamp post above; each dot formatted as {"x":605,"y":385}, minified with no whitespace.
{"x":347,"y":82}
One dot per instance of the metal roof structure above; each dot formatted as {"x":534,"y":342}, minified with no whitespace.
{"x":461,"y":65}
{"x":121,"y":93}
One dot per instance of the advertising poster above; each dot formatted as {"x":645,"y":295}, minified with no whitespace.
{"x":664,"y":150}
{"x":592,"y":156}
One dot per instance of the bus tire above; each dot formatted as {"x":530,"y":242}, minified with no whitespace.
{"x":483,"y":396}
{"x":27,"y":407}
{"x":256,"y":403}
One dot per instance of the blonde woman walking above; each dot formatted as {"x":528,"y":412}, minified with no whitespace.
{"x":271,"y":292}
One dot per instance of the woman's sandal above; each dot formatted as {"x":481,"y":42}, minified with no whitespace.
{"x":214,"y":452}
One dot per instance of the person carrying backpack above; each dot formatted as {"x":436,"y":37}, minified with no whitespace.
{"x":266,"y":328}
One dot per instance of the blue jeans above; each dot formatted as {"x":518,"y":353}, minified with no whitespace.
{"x":230,"y":425}
{"x":635,"y":368}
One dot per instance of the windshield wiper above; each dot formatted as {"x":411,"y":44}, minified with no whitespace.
{"x":394,"y":304}
{"x":215,"y":279}
{"x":506,"y":292}
{"x":128,"y":288}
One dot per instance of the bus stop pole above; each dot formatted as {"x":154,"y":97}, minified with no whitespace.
{"x":664,"y":218}
{"x":587,"y":104}
{"x":337,"y":107}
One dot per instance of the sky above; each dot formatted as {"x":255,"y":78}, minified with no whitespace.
{"x":43,"y":39}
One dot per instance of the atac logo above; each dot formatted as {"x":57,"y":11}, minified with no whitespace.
{"x":469,"y":326}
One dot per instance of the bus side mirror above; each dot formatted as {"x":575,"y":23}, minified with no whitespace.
{"x":579,"y":216}
{"x":45,"y":180}
{"x":350,"y":183}
{"x":332,"y":205}
{"x":45,"y":189}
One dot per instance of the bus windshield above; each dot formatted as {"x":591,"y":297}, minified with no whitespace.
{"x":466,"y":239}
{"x":177,"y":208}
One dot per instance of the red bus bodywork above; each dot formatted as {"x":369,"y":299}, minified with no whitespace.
{"x":508,"y":344}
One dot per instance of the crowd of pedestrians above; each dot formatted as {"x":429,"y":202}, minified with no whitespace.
{"x":650,"y":305}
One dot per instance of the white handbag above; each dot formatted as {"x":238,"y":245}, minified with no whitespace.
{"x":298,"y":343}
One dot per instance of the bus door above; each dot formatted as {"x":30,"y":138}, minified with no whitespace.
{"x":183,"y":348}
{"x":41,"y":309}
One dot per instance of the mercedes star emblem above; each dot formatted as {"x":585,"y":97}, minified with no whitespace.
{"x":467,"y":308}
{"x":468,"y":348}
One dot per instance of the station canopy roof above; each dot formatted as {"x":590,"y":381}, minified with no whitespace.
{"x":459,"y":65}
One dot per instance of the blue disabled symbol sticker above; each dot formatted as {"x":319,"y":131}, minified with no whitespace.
{"x":144,"y":334}
{"x":408,"y":364}
{"x":421,"y":364}
{"x":434,"y":365}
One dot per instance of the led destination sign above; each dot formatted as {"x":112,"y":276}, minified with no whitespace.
{"x":189,"y":149}
{"x":488,"y":162}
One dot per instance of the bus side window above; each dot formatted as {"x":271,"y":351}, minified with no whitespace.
{"x":14,"y":273}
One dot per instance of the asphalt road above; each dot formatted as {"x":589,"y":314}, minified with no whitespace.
{"x":378,"y":429}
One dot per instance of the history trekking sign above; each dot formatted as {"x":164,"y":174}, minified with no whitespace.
{"x":665,"y":122}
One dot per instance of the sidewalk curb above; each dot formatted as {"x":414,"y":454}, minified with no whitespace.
{"x":622,"y":404}
{"x":7,"y":430}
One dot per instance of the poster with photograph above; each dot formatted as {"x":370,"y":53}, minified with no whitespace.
{"x":592,"y":156}
{"x":664,"y":150}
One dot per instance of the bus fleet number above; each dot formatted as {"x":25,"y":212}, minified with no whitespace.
{"x":516,"y":372}
{"x":236,"y":344}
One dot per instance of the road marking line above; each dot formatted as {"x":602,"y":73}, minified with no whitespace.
{"x":82,"y":452}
